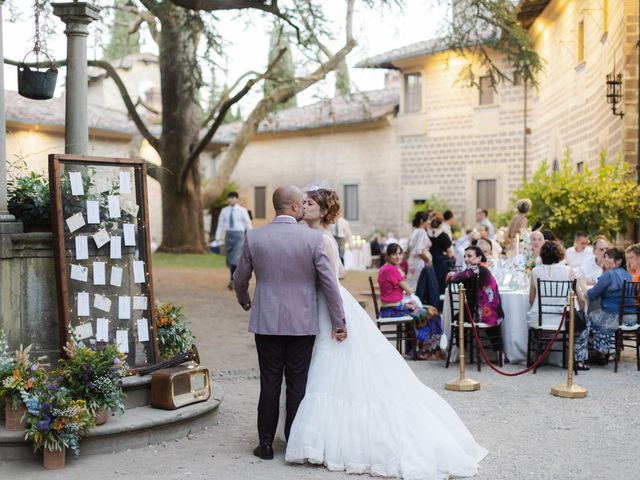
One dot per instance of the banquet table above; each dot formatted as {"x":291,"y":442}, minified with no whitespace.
{"x":357,"y":258}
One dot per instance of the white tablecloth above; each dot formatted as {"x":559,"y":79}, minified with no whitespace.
{"x":357,"y":258}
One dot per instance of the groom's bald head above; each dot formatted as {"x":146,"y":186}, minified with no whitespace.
{"x":288,"y":200}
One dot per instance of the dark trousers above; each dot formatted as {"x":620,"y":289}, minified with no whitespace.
{"x":278,"y":354}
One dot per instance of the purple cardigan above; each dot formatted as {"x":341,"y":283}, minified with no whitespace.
{"x":290,"y":264}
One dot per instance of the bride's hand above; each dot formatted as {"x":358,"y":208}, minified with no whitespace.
{"x":339,"y":334}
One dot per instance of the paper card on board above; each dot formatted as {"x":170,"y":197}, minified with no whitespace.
{"x":93,"y":212}
{"x":122,"y":341}
{"x":102,"y":303}
{"x":99,"y":277}
{"x":83,"y":331}
{"x":138,"y":271}
{"x":116,"y":277}
{"x":124,"y":307}
{"x":143,"y":330}
{"x":129,"y":234}
{"x":114,"y":206}
{"x":101,"y":238}
{"x":103,"y":184}
{"x":80,"y":273}
{"x":82,"y":247}
{"x":125,"y":182}
{"x":102,"y":330}
{"x":76,"y":221}
{"x":83,"y":304}
{"x":76,"y":183}
{"x":140,"y":302}
{"x":116,"y":247}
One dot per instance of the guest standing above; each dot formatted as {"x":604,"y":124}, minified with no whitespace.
{"x":418,"y":249}
{"x":517,"y":223}
{"x":441,"y":251}
{"x":233,"y":222}
{"x":482,"y":215}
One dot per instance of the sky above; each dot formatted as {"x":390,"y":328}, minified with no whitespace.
{"x":376,"y":31}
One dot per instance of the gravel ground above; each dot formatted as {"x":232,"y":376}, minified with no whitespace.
{"x":528,"y":432}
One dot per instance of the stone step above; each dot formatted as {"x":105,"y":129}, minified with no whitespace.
{"x":137,"y":427}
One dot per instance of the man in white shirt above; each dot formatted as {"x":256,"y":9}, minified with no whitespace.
{"x":579,"y":252}
{"x":233,"y":222}
{"x":448,"y":223}
{"x":591,"y":268}
{"x":341,"y":231}
{"x":481,"y":218}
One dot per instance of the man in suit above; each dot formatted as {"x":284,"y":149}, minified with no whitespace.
{"x":290,"y":263}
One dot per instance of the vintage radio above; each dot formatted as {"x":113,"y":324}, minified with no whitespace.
{"x":176,"y":387}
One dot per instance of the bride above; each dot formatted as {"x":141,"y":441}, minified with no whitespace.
{"x":364,"y":410}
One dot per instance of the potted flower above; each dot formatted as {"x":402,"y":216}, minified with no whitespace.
{"x":29,"y":201}
{"x":94,"y":373}
{"x":55,"y":421}
{"x":174,"y":336}
{"x":19,"y":376}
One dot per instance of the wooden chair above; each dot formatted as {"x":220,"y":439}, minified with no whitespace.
{"x":553,"y":297}
{"x":624,"y":333}
{"x":492,"y":334}
{"x":401,"y":328}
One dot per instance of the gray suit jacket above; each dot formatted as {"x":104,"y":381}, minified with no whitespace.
{"x":290,"y":264}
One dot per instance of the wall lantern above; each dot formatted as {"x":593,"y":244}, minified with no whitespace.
{"x":614,"y":91}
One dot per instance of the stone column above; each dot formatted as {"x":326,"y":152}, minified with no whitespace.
{"x":77,"y":16}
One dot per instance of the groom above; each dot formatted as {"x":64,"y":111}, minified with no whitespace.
{"x":290,"y":263}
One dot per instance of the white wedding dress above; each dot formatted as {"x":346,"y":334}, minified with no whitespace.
{"x":365,"y":411}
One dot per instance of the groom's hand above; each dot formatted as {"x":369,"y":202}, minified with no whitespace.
{"x":339,"y":334}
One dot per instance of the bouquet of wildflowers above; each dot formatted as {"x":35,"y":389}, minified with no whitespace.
{"x":94,"y":374}
{"x":55,"y":420}
{"x":174,"y":336}
{"x":19,"y":375}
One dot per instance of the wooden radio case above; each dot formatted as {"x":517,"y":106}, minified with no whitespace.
{"x":176,"y":387}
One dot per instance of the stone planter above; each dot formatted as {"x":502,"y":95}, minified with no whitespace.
{"x":13,"y":417}
{"x":53,"y":459}
{"x":102,"y":416}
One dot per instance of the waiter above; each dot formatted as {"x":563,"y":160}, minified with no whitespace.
{"x":233,"y":222}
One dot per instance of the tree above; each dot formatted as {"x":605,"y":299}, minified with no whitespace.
{"x":122,"y":41}
{"x":285,"y":70}
{"x":604,"y":201}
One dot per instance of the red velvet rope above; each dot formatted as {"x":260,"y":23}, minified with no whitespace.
{"x":528,"y":369}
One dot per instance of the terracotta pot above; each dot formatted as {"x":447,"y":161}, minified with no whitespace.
{"x":53,"y":459}
{"x":102,"y":416}
{"x":12,"y":417}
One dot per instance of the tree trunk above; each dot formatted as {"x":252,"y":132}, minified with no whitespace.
{"x":182,"y":211}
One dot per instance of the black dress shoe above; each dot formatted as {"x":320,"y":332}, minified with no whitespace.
{"x":264,"y":452}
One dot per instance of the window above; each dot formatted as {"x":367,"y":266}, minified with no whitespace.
{"x":351,"y":202}
{"x":486,"y":194}
{"x":580,"y":167}
{"x":412,"y":92}
{"x":581,"y":42}
{"x":486,"y":91}
{"x":419,"y":201}
{"x":260,"y":202}
{"x":556,"y":165}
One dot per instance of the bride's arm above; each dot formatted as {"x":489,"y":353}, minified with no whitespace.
{"x":331,"y":248}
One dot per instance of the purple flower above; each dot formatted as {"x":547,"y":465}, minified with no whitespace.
{"x":92,"y":341}
{"x":116,"y":361}
{"x":33,"y":367}
{"x":46,"y":406}
{"x":43,"y":425}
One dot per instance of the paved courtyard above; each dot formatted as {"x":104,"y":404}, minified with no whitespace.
{"x":529,"y":433}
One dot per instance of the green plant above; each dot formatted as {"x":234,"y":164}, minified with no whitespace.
{"x":433,"y":202}
{"x":20,"y":375}
{"x":55,"y":420}
{"x":221,"y":202}
{"x":601,"y":201}
{"x":94,"y":374}
{"x":174,"y":336}
{"x":29,"y":199}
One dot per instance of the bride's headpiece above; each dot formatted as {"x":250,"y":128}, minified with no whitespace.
{"x":314,"y":187}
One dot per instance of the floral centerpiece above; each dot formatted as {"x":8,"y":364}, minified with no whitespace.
{"x":56,"y":420}
{"x":174,"y":336}
{"x":19,"y":374}
{"x":94,"y":373}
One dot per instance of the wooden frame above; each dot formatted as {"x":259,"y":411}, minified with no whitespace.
{"x":63,"y":203}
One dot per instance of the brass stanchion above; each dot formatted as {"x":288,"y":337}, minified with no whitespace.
{"x":462,"y":384}
{"x":569,"y":390}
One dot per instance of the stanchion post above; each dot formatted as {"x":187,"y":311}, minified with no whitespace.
{"x":569,"y":390}
{"x":462,"y":384}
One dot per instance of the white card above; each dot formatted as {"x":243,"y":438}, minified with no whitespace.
{"x":78,"y":272}
{"x":114,"y":206}
{"x":140,"y":302}
{"x":129,"y":234}
{"x":122,"y":340}
{"x":138,"y":271}
{"x":93,"y":211}
{"x":102,"y":303}
{"x":83,"y":304}
{"x":116,"y":277}
{"x":131,"y":209}
{"x":83,"y":331}
{"x":124,"y":308}
{"x":76,"y":221}
{"x":101,"y":238}
{"x":125,"y":182}
{"x":507,"y":279}
{"x":102,"y":330}
{"x":82,"y":247}
{"x":99,"y":277}
{"x":116,"y":247}
{"x":76,"y":183}
{"x":143,"y":330}
{"x":103,"y":184}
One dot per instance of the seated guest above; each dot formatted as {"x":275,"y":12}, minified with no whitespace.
{"x":552,"y":268}
{"x":580,"y":251}
{"x":495,"y":246}
{"x":487,"y":248}
{"x":603,"y":318}
{"x":633,"y":261}
{"x":463,"y":242}
{"x":536,"y":239}
{"x":591,"y":268}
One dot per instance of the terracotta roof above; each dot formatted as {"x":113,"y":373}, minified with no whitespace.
{"x":51,"y":112}
{"x":528,"y":10}
{"x":351,"y":109}
{"x":385,"y":60}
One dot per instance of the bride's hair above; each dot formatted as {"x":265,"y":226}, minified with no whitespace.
{"x":328,"y":201}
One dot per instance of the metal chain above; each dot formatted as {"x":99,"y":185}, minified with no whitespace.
{"x":36,"y":14}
